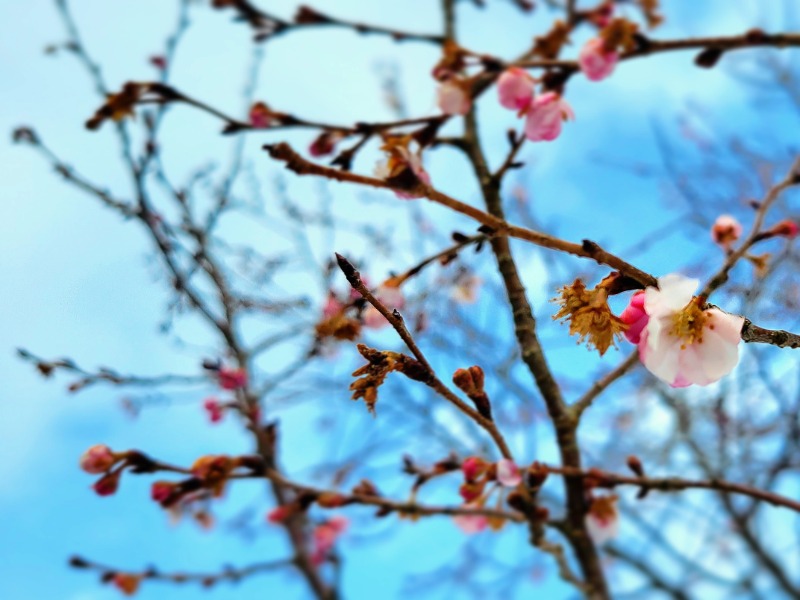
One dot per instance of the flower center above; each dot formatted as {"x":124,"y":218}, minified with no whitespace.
{"x":688,"y":323}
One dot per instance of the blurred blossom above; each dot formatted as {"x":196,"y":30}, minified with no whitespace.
{"x":725,"y":231}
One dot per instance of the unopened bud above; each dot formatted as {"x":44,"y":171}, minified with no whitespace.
{"x":536,"y":475}
{"x":635,"y":465}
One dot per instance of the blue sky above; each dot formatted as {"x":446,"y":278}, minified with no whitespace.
{"x":78,"y":282}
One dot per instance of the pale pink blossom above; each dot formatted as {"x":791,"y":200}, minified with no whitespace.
{"x":471,"y":523}
{"x":602,"y":519}
{"x":508,"y":473}
{"x":452,"y":97}
{"x":635,"y":317}
{"x":725,"y":231}
{"x":391,"y":297}
{"x":544,"y":117}
{"x":333,"y":306}
{"x":324,"y":537}
{"x":597,"y":62}
{"x":515,"y":88}
{"x":682,"y":343}
{"x":97,"y":459}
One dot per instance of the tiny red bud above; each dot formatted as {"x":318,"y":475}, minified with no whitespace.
{"x":107,"y":484}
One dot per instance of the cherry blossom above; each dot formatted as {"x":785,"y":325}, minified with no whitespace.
{"x":281,"y":513}
{"x":602,"y":520}
{"x":391,"y":297}
{"x":453,"y":97}
{"x":683,"y":343}
{"x":97,"y":459}
{"x":471,"y":523}
{"x":214,"y":409}
{"x":596,"y":60}
{"x":324,"y":537}
{"x":545,"y":115}
{"x":260,"y":116}
{"x":725,"y":231}
{"x":508,"y":473}
{"x":231,"y":379}
{"x":333,"y":306}
{"x":515,"y":88}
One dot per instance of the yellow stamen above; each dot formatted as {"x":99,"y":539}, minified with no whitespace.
{"x":688,"y":323}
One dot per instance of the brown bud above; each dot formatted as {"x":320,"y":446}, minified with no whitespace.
{"x":76,"y":562}
{"x":366,"y":488}
{"x":635,"y":465}
{"x":470,"y":381}
{"x":536,"y":475}
{"x":517,"y":501}
{"x":708,"y":57}
{"x":756,"y":36}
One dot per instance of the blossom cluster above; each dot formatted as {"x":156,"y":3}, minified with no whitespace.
{"x":680,"y":340}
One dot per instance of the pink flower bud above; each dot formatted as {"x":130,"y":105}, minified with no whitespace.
{"x":260,"y":115}
{"x":596,"y":61}
{"x":161,"y":491}
{"x":544,"y":117}
{"x":281,"y":513}
{"x":473,"y":467}
{"x":107,"y":484}
{"x":635,"y":317}
{"x":725,"y":231}
{"x":601,"y":16}
{"x":324,"y":537}
{"x":232,"y":379}
{"x":97,"y":459}
{"x":471,"y":491}
{"x":453,"y":97}
{"x":508,"y":473}
{"x":786,"y":228}
{"x":214,"y":409}
{"x":515,"y":88}
{"x":324,"y":143}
